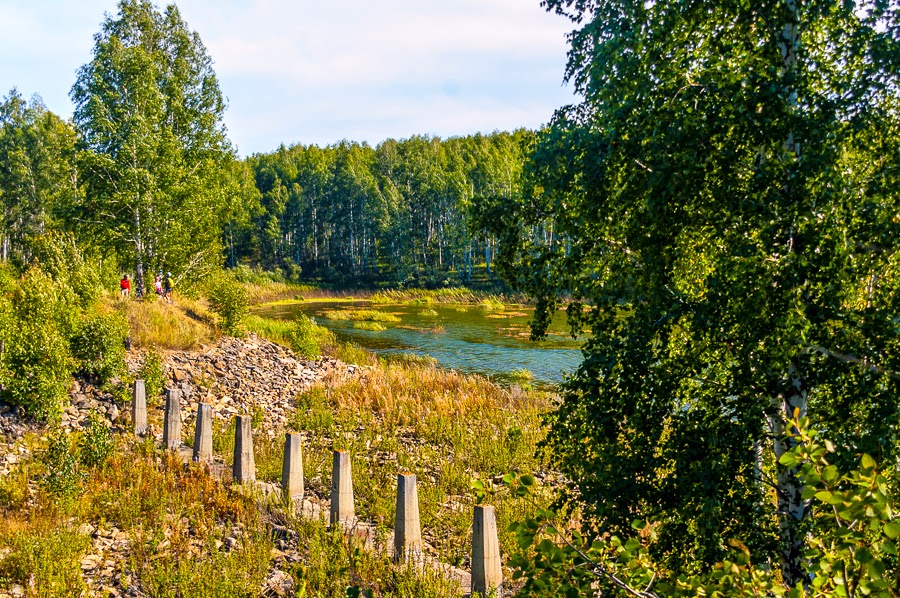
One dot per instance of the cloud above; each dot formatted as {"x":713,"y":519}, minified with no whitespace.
{"x":303,"y":71}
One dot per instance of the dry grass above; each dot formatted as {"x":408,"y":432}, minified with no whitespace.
{"x":276,"y":291}
{"x":180,"y":326}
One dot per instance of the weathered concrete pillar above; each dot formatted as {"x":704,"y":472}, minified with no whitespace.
{"x":139,"y":408}
{"x":203,"y":448}
{"x":407,"y":530}
{"x":341,"y":489}
{"x":244,"y":467}
{"x":172,"y":426}
{"x":486,"y":566}
{"x":292,"y":469}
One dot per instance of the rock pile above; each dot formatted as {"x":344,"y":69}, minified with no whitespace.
{"x":251,"y":375}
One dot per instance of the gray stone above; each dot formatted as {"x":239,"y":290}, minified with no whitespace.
{"x":139,"y":408}
{"x":342,"y":510}
{"x":244,"y":467}
{"x":407,"y":529}
{"x":203,"y":447}
{"x":292,"y":469}
{"x":172,"y":425}
{"x":487,"y":574}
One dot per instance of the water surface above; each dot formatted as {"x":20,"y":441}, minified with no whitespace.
{"x":463,"y":337}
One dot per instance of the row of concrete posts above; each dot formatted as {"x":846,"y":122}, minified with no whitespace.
{"x":486,"y":564}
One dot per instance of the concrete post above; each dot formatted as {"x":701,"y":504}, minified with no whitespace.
{"x":407,"y":530}
{"x":203,"y":448}
{"x":292,"y":469}
{"x":487,"y":574}
{"x":139,"y":408}
{"x":341,"y":489}
{"x":172,"y":427}
{"x":244,"y":467}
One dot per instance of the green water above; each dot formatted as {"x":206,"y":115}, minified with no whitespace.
{"x":462,"y":337}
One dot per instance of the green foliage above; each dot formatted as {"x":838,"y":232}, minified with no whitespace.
{"x":153,"y":157}
{"x":36,"y":364}
{"x":60,"y":257}
{"x":63,"y":477}
{"x":331,"y":211}
{"x":228,"y":298}
{"x":45,"y":559}
{"x":98,"y":344}
{"x":852,"y":541}
{"x":37,"y":170}
{"x":305,"y":337}
{"x":153,"y":375}
{"x":96,"y":443}
{"x":719,"y":210}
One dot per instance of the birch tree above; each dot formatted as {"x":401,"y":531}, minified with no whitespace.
{"x":148,"y":110}
{"x":724,"y":214}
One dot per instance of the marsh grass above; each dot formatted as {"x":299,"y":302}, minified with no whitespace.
{"x":361,"y":315}
{"x":366,"y":325}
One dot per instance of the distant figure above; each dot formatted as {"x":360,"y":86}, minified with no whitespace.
{"x":168,"y":284}
{"x":125,"y":287}
{"x":157,"y":284}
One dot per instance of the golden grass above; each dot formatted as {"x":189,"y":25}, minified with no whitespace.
{"x":276,"y":292}
{"x":180,"y":326}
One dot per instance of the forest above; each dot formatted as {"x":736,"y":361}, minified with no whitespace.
{"x":719,"y":218}
{"x":402,"y":213}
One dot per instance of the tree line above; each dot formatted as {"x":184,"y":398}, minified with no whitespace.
{"x":400,"y":212}
{"x":144,"y":173}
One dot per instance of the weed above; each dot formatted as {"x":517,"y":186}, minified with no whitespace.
{"x":373,"y":326}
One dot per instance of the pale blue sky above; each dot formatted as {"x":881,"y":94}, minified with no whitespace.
{"x":319,"y":72}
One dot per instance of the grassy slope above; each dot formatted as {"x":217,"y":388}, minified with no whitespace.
{"x":447,"y":427}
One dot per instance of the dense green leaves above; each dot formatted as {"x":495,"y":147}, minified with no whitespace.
{"x":722,"y":208}
{"x":400,"y":212}
{"x":154,"y":153}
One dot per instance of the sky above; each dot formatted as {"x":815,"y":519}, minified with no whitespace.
{"x":319,"y":72}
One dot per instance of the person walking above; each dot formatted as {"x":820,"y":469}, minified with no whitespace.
{"x":168,"y":285}
{"x":124,"y":287}
{"x":157,"y":285}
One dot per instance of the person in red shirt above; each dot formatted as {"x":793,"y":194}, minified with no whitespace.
{"x":125,"y":287}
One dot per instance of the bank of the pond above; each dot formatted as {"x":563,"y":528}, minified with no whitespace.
{"x":488,"y":338}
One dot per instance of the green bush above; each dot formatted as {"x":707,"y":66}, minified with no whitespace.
{"x":98,"y":344}
{"x":36,"y":363}
{"x":63,"y":477}
{"x":228,"y":298}
{"x":60,"y":257}
{"x":46,"y":560}
{"x":96,"y":443}
{"x":153,"y":375}
{"x":303,"y":338}
{"x":36,"y":369}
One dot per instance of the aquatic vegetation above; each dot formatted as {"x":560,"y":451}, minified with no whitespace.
{"x":360,"y":315}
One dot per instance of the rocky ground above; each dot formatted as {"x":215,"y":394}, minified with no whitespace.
{"x":236,"y":376}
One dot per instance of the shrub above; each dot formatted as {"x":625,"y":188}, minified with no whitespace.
{"x":98,"y":345}
{"x":60,"y":257}
{"x":45,"y":560}
{"x":36,"y":369}
{"x":63,"y":477}
{"x":96,"y":443}
{"x":228,"y":298}
{"x":36,"y":363}
{"x":303,"y":338}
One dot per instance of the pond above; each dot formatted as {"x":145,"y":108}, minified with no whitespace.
{"x":469,"y":338}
